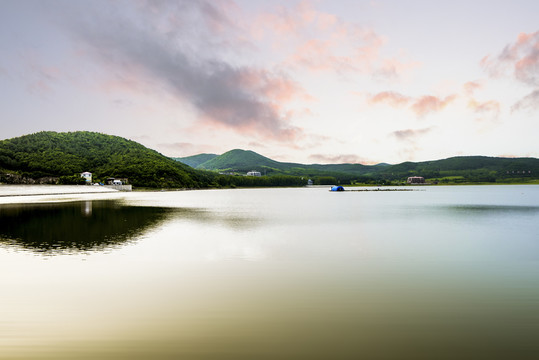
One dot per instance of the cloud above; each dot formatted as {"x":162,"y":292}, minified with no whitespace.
{"x":428,"y":104}
{"x":392,"y":98}
{"x":290,"y":21}
{"x":151,"y":44}
{"x":393,"y":68}
{"x":410,"y":134}
{"x":521,"y":59}
{"x":422,"y":105}
{"x":529,"y":102}
{"x":491,"y":107}
{"x":321,"y":41}
{"x":408,"y":139}
{"x":337,"y":159}
{"x":40,"y":78}
{"x":471,"y":86}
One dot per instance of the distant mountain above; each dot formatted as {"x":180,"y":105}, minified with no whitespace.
{"x":239,"y":160}
{"x":50,"y":157}
{"x":61,"y":157}
{"x":245,"y":160}
{"x":196,"y":160}
{"x":467,"y":168}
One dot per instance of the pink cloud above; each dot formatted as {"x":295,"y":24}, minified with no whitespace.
{"x":337,"y":159}
{"x":491,"y":107}
{"x":520,"y":57}
{"x":316,"y":55}
{"x":285,"y":21}
{"x":277,"y":88}
{"x":394,"y":99}
{"x":421,"y":106}
{"x":393,"y":68}
{"x":428,"y":104}
{"x":321,"y":41}
{"x":488,"y":108}
{"x":471,"y":86}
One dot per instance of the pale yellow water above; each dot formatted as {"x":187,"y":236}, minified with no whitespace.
{"x":444,"y":273}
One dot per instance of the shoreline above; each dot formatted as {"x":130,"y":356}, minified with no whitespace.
{"x":10,"y":194}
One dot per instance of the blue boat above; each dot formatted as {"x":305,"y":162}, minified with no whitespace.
{"x":337,"y":188}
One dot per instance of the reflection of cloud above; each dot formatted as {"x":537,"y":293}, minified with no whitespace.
{"x":235,"y":249}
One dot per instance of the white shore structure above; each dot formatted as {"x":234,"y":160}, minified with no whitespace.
{"x":47,"y":193}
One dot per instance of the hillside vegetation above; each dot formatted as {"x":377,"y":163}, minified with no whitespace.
{"x":52,"y":157}
{"x":463,"y":169}
{"x":196,"y":160}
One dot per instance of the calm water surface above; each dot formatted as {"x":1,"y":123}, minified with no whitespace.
{"x":439,"y":273}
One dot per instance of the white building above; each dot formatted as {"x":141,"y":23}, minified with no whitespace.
{"x":254,"y":173}
{"x":87,"y":177}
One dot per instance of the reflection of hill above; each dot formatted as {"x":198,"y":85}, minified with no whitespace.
{"x":88,"y":225}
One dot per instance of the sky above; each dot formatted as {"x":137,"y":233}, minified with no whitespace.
{"x":312,"y":81}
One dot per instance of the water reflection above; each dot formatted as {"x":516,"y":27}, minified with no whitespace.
{"x":78,"y":226}
{"x":484,"y":209}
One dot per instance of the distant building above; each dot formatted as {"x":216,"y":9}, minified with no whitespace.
{"x":87,"y":177}
{"x":416,"y":180}
{"x":309,"y":182}
{"x":254,"y":173}
{"x":117,"y":181}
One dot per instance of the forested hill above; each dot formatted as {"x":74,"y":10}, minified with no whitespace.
{"x":239,"y":159}
{"x":244,"y":160}
{"x":459,"y":169}
{"x":63,"y":156}
{"x":195,"y":160}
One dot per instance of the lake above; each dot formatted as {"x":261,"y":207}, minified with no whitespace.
{"x":295,"y":273}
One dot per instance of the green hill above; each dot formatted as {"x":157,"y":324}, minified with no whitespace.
{"x":239,"y":160}
{"x":468,"y":168}
{"x":196,"y":160}
{"x":50,"y":157}
{"x":61,"y":157}
{"x":246,"y":160}
{"x":455,"y":169}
